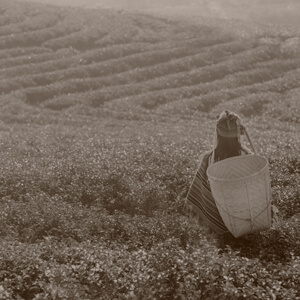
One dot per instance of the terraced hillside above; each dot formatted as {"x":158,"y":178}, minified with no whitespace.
{"x":58,"y":59}
{"x":103,"y":116}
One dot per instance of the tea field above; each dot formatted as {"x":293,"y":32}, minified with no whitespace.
{"x":103,"y":117}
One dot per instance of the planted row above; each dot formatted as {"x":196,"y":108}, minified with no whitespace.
{"x":204,"y":74}
{"x":41,"y":21}
{"x":35,"y":58}
{"x":84,"y":71}
{"x":19,"y":51}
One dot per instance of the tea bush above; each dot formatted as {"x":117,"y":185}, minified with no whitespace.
{"x":70,"y":230}
{"x":166,"y":271}
{"x":95,"y":171}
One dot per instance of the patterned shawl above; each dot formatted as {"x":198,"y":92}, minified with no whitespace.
{"x":201,"y":198}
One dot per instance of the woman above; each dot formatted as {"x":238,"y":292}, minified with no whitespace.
{"x":227,"y":144}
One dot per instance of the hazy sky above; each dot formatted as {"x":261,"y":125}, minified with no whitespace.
{"x":286,"y":12}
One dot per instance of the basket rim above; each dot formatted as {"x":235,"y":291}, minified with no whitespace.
{"x":237,"y":158}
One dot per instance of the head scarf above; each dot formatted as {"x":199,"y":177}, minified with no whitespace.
{"x":229,"y":125}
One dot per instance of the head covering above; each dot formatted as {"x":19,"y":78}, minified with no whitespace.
{"x":229,"y":125}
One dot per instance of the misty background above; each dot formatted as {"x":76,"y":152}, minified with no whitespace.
{"x":280,"y":12}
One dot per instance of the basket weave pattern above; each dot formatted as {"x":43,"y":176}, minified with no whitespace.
{"x":242,"y":191}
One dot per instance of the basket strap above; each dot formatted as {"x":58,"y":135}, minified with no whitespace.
{"x":238,"y":126}
{"x":214,"y":146}
{"x":249,"y":140}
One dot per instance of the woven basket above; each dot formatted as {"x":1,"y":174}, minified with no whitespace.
{"x":241,"y":188}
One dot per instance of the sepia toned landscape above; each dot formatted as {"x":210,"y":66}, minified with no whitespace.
{"x":105,"y":108}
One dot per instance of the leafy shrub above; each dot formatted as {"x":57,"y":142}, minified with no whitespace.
{"x":92,"y":197}
{"x":164,"y":272}
{"x":284,"y":184}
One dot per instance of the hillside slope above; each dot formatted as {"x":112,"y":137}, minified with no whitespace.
{"x":60,"y":58}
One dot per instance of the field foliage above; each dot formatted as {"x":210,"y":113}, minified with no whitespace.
{"x":103,"y":117}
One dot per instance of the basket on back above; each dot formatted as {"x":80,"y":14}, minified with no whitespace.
{"x":241,"y":188}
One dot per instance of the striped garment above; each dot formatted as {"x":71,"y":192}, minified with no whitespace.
{"x":201,"y":198}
